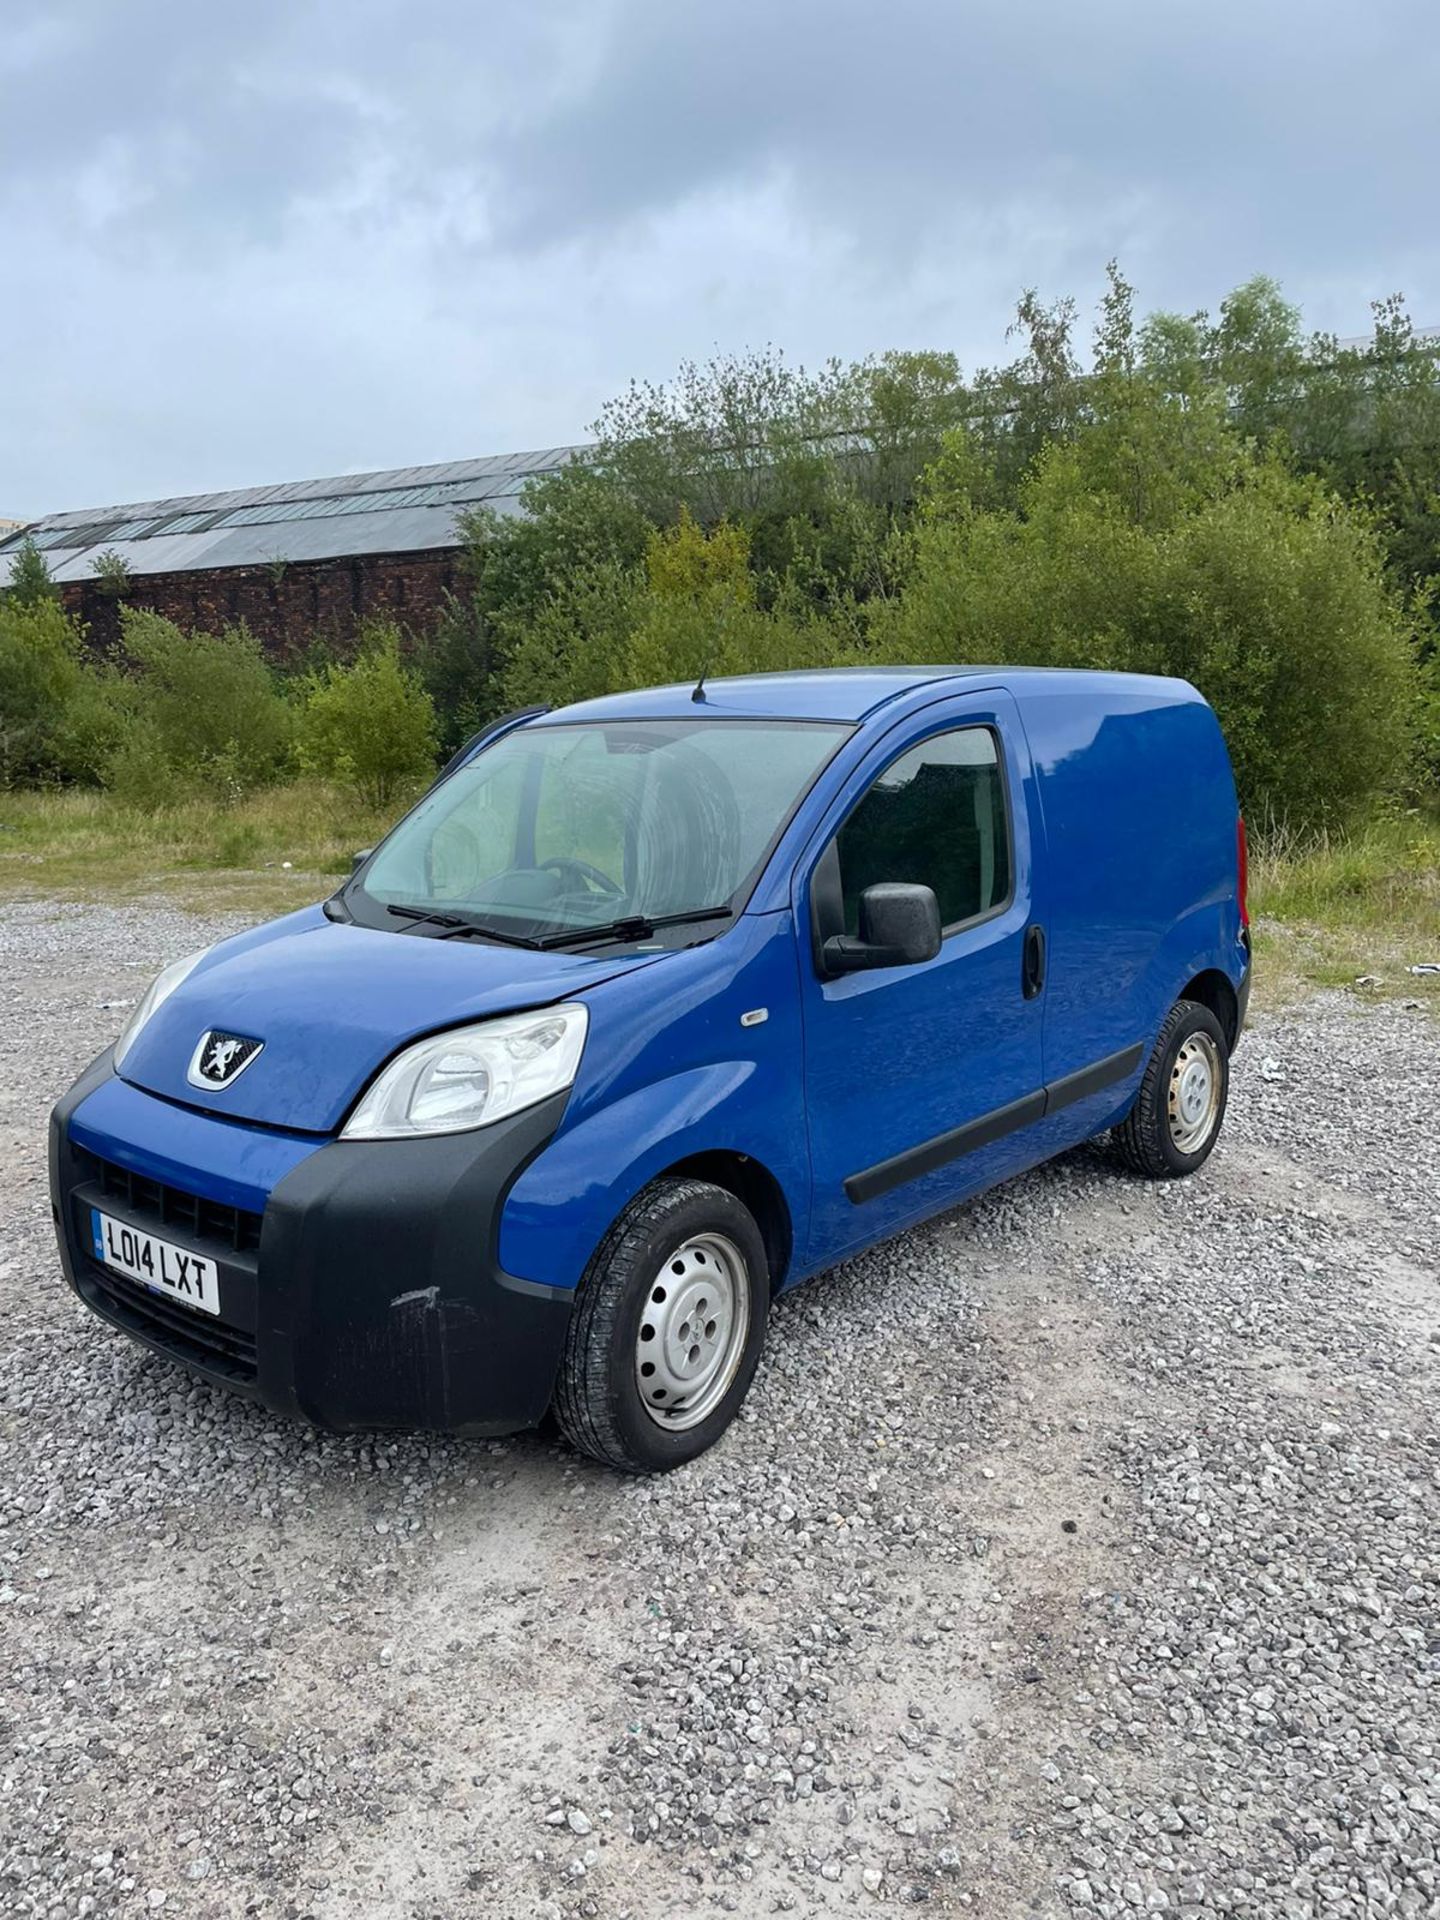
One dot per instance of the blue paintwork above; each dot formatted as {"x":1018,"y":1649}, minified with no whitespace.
{"x":1124,"y":851}
{"x":956,"y":1035}
{"x":827,"y":693}
{"x":332,"y":1002}
{"x":669,"y":1072}
{"x":221,"y":1160}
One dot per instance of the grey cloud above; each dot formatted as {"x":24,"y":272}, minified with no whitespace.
{"x":310,"y":234}
{"x":892,"y":118}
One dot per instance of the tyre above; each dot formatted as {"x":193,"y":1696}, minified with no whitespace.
{"x":1179,"y":1110}
{"x":668,"y":1325}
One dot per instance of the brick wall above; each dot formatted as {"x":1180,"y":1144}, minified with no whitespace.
{"x":287,"y":606}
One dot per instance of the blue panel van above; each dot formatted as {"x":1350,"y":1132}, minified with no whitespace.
{"x":651,"y":1008}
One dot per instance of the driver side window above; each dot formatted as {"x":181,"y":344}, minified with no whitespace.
{"x":937,"y":816}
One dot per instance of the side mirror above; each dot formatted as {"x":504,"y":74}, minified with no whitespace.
{"x":899,"y":927}
{"x":357,"y":860}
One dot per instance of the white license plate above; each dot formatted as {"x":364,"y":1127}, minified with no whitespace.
{"x":158,"y":1264}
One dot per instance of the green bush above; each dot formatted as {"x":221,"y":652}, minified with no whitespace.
{"x":1269,"y":597}
{"x":1275,"y":605}
{"x":458,"y":661}
{"x":40,"y":672}
{"x":204,"y":710}
{"x":574,"y":645}
{"x":691,"y":609}
{"x":370,"y":726}
{"x":98,"y":720}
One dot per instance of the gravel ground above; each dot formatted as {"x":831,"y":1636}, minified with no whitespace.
{"x":1078,"y":1553}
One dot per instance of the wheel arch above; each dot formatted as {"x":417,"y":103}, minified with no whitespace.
{"x":755,"y":1187}
{"x":1211,"y":989}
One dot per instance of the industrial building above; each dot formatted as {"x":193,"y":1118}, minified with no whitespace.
{"x":306,"y":559}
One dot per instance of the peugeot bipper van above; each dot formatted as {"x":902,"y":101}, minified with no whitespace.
{"x":651,"y":1008}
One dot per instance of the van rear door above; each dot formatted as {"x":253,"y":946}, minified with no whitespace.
{"x":921,"y":1080}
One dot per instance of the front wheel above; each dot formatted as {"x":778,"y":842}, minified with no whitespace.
{"x":1178,"y":1112}
{"x":667,"y":1329}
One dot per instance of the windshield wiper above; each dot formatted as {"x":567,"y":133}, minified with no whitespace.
{"x":456,"y":927}
{"x":475,"y":930}
{"x":635,"y":926}
{"x":423,"y":913}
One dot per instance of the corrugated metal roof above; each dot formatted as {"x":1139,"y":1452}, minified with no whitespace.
{"x":401,"y":510}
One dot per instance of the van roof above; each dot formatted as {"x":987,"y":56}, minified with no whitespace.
{"x":816,"y":693}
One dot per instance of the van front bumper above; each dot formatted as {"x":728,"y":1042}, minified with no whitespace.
{"x":365,"y":1291}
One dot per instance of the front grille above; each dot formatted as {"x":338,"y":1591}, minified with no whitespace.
{"x":229,"y":1227}
{"x":229,"y":1234}
{"x":192,"y":1336}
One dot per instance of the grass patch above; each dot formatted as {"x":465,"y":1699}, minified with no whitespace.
{"x":1333,"y":911}
{"x":79,"y":843}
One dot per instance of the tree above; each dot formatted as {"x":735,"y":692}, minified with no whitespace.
{"x":1267,"y":593}
{"x":40,"y":672}
{"x":1019,"y":409}
{"x":30,"y":581}
{"x":1157,"y":451}
{"x":1259,"y":358}
{"x":112,"y":573}
{"x":729,"y":439}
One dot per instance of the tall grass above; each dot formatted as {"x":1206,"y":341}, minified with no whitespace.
{"x":1335,"y":910}
{"x":1385,"y":875}
{"x":277,"y":846}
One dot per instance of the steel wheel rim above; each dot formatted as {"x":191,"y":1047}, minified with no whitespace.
{"x":1193,"y":1103}
{"x":692,"y":1332}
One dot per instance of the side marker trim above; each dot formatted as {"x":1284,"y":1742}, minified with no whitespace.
{"x":1092,"y":1079}
{"x":938,"y":1152}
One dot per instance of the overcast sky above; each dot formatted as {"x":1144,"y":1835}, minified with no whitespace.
{"x":266,"y":242}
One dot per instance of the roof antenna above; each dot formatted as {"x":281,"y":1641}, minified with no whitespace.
{"x":698,"y":696}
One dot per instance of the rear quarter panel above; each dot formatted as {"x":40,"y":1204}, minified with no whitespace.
{"x":1139,"y":888}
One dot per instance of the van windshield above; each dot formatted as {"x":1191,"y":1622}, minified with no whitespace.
{"x":610,"y":827}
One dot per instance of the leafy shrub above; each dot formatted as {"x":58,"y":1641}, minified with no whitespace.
{"x":204,"y":710}
{"x":691,"y":610}
{"x":29,"y":580}
{"x":40,"y":671}
{"x":370,"y":726}
{"x":112,"y":573}
{"x":1269,"y":597}
{"x":575,"y":644}
{"x":458,"y":662}
{"x":137,"y":771}
{"x":97,"y":721}
{"x":1275,"y":605}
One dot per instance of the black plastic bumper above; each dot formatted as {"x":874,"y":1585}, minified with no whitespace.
{"x":1242,"y":992}
{"x":368,"y":1294}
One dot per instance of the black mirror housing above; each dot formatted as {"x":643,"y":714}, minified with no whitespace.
{"x":899,"y":927}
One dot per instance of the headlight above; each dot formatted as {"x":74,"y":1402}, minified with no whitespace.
{"x":156,"y":994}
{"x":472,"y":1076}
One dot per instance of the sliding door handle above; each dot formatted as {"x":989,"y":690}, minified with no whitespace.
{"x":1033,"y":966}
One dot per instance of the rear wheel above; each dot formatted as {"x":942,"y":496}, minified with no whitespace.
{"x":1180,"y":1108}
{"x":667,"y":1328}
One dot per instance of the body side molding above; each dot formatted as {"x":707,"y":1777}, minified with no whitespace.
{"x":871,"y":1182}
